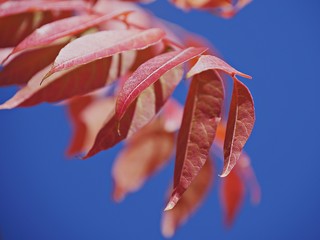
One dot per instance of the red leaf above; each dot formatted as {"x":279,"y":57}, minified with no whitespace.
{"x":201,"y":115}
{"x":24,"y":24}
{"x":239,"y":127}
{"x":103,"y":44}
{"x":16,"y":7}
{"x":247,"y":174}
{"x":141,"y":112}
{"x":189,"y":202}
{"x":150,"y":72}
{"x":20,"y":69}
{"x":62,"y":28}
{"x":232,"y":192}
{"x":26,"y":16}
{"x":146,"y":152}
{"x":243,"y":166}
{"x":76,"y":82}
{"x":207,"y":62}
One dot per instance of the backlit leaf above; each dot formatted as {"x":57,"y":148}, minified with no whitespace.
{"x":150,"y":72}
{"x":200,"y":119}
{"x":103,"y":44}
{"x":239,"y":126}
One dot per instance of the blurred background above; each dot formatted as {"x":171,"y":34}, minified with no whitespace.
{"x":45,"y":196}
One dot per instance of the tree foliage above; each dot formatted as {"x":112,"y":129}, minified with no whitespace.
{"x":115,"y":67}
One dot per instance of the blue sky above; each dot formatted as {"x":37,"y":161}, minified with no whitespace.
{"x":44,"y":196}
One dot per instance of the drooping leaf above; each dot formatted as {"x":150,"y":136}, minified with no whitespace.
{"x":146,"y":152}
{"x":189,"y":202}
{"x":207,"y":62}
{"x":141,"y":112}
{"x":20,"y":69}
{"x":103,"y":44}
{"x":232,"y":192}
{"x":150,"y":72}
{"x":239,"y":126}
{"x":62,"y":28}
{"x":87,"y":114}
{"x":200,"y":119}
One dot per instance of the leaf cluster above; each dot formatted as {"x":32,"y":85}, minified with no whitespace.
{"x":115,"y":67}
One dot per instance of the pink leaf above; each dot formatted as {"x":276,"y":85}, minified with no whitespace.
{"x":239,"y":127}
{"x":62,"y":28}
{"x":16,"y":7}
{"x":150,"y":72}
{"x":207,"y":62}
{"x":103,"y":44}
{"x":200,"y":119}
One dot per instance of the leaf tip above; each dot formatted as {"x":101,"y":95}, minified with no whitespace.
{"x":118,"y":194}
{"x":245,"y":75}
{"x":172,"y":202}
{"x":225,"y":173}
{"x":48,"y":74}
